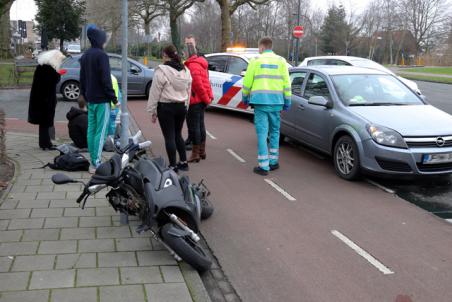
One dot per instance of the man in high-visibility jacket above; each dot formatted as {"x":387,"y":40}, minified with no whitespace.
{"x":266,"y":87}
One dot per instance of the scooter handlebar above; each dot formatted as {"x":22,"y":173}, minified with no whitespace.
{"x":136,"y":136}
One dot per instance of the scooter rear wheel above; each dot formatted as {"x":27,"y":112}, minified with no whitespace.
{"x":189,"y":250}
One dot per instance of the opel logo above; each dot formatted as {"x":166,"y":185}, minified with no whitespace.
{"x":440,"y":142}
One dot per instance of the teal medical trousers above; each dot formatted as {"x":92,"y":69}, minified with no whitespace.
{"x":98,"y":122}
{"x":267,"y":125}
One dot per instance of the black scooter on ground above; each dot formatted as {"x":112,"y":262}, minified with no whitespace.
{"x":169,"y":206}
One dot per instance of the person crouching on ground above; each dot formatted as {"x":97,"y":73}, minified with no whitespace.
{"x":43,"y":100}
{"x":266,"y":87}
{"x":97,"y":89}
{"x":78,"y":124}
{"x":201,"y":96}
{"x":168,"y":100}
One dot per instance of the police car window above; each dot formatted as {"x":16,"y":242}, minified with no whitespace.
{"x":217,"y":63}
{"x":317,"y":62}
{"x":296,"y":80}
{"x":337,"y":62}
{"x":237,"y":65}
{"x":316,"y":86}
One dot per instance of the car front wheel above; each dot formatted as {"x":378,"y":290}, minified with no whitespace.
{"x":346,"y":158}
{"x":70,"y":91}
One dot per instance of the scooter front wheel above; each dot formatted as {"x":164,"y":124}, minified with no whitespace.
{"x":185,"y":247}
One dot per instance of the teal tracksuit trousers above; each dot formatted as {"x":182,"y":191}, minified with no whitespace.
{"x":267,"y":120}
{"x":98,"y":122}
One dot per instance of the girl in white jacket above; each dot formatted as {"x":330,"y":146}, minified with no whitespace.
{"x":168,"y":100}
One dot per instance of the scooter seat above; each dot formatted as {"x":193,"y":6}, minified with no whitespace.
{"x":108,"y":171}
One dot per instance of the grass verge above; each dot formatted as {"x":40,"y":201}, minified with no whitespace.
{"x":432,"y":70}
{"x":432,"y":78}
{"x":7,"y":77}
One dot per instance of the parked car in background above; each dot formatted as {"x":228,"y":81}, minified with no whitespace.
{"x":74,"y":49}
{"x":369,"y":121}
{"x":139,"y":77}
{"x":356,"y":61}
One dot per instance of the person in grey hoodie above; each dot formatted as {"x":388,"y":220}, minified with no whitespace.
{"x":168,"y":101}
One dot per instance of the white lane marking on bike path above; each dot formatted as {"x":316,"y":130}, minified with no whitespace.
{"x":210,"y":135}
{"x":376,"y":184}
{"x":237,"y":157}
{"x":280,"y":190}
{"x":371,"y":259}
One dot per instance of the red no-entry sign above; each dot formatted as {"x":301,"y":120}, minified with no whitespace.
{"x":298,"y":31}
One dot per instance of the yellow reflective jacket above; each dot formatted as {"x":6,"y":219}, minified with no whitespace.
{"x":115,"y":85}
{"x":267,"y":81}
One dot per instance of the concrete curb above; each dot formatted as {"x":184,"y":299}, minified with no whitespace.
{"x":194,"y":283}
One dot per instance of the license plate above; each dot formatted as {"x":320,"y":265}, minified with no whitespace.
{"x":437,"y":158}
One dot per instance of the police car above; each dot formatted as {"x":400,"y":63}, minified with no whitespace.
{"x":226,"y":72}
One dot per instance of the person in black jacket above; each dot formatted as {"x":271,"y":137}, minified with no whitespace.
{"x":78,"y":124}
{"x":96,"y":88}
{"x":43,"y":100}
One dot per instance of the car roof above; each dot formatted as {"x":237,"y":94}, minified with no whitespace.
{"x":344,"y":58}
{"x":243,"y":55}
{"x":78,"y":56}
{"x":338,"y":70}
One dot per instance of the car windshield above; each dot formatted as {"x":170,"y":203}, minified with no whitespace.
{"x":373,"y":90}
{"x":74,"y":47}
{"x":370,"y":64}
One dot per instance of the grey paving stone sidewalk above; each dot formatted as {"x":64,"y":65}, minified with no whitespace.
{"x":52,"y":251}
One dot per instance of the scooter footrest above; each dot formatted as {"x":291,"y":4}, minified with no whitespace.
{"x":142,"y":228}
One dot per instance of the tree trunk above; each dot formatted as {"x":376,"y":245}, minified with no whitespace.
{"x":147,"y":33}
{"x":62,"y":45}
{"x":5,"y":31}
{"x":175,"y":38}
{"x":225,"y":24}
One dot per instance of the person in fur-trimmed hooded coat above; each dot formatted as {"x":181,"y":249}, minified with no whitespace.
{"x":41,"y":109}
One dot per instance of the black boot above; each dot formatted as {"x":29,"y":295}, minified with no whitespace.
{"x":260,"y":171}
{"x":182,"y":166}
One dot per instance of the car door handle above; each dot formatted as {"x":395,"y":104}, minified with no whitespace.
{"x":300,"y":107}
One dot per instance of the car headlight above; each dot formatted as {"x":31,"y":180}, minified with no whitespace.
{"x":386,"y":137}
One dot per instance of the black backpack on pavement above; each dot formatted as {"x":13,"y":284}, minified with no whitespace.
{"x":69,"y":162}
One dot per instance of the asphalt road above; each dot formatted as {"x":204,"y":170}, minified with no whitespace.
{"x":314,"y":237}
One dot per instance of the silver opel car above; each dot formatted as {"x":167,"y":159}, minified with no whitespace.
{"x":368,"y":121}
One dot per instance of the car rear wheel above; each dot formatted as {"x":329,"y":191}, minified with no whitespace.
{"x":346,"y":158}
{"x":71,"y":91}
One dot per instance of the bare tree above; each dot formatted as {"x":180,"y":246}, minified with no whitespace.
{"x":146,"y":11}
{"x":177,"y":8}
{"x":5,"y":32}
{"x":422,"y":17}
{"x":228,"y":8}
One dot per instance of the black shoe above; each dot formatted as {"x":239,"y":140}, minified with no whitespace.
{"x":260,"y":171}
{"x":274,"y":167}
{"x":175,"y":169}
{"x":50,"y":148}
{"x":182,"y":166}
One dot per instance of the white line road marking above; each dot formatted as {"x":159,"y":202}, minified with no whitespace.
{"x":210,"y":135}
{"x":236,"y":155}
{"x":371,"y":259}
{"x":11,"y":119}
{"x":387,"y":190}
{"x":280,"y":190}
{"x":449,"y":220}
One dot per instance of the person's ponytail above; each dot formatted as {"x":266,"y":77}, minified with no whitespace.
{"x":171,"y":52}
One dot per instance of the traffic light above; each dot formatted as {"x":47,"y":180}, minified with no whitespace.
{"x":22,"y":28}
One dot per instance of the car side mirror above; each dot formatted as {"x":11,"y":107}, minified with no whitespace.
{"x":61,"y":179}
{"x":424,"y":98}
{"x":320,"y":101}
{"x":242,"y":74}
{"x":134,"y":70}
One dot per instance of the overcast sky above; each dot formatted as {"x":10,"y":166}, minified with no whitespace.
{"x":26,"y":9}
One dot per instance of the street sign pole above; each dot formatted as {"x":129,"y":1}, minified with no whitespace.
{"x":297,"y":50}
{"x":124,"y":219}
